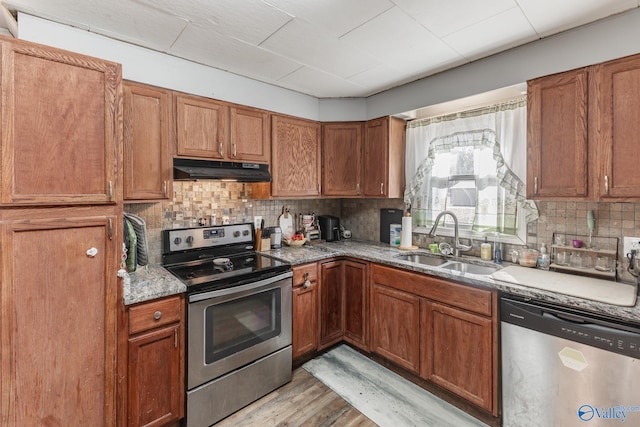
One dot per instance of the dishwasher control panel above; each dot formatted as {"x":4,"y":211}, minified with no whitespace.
{"x":586,"y":328}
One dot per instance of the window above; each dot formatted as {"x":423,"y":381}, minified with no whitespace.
{"x":461,"y":163}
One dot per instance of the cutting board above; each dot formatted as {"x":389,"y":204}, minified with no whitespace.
{"x":285,"y":221}
{"x":606,"y":291}
{"x":388,"y":217}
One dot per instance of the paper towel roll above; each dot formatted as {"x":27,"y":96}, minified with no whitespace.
{"x":406,"y":233}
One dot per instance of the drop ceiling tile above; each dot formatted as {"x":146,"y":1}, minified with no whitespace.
{"x":121,"y":19}
{"x":249,"y":20}
{"x":549,"y":17}
{"x":321,"y":85}
{"x":501,"y":32}
{"x":204,"y":45}
{"x":397,"y":40}
{"x":444,"y":17}
{"x":336,"y":16}
{"x":379,"y":78}
{"x":311,"y":45}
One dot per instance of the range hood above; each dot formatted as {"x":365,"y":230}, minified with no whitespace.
{"x":191,"y":170}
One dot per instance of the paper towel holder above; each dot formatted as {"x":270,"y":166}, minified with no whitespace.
{"x":406,"y":235}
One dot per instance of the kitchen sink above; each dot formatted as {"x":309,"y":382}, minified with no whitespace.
{"x":422,"y":259}
{"x":465,"y":267}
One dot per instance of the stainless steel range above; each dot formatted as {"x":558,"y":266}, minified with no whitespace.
{"x":238,"y":318}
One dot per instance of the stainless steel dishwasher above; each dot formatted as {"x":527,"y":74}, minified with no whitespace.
{"x":564,"y":367}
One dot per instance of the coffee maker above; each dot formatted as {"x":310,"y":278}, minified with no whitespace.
{"x":329,"y":227}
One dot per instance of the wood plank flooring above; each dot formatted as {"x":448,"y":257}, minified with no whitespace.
{"x":305,"y":401}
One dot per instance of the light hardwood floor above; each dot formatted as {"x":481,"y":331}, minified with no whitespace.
{"x":305,"y":401}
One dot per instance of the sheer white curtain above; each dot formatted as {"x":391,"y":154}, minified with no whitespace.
{"x":500,"y":128}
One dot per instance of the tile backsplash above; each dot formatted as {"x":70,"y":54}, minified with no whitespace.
{"x":233,"y":201}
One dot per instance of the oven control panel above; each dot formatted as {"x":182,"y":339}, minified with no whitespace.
{"x":207,"y":237}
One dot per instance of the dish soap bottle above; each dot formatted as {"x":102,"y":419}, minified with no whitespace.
{"x":485,"y":250}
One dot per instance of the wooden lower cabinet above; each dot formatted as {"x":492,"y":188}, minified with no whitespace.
{"x":395,"y":326}
{"x":332,"y":297}
{"x":305,"y":309}
{"x":156,"y":362}
{"x":457,"y":351}
{"x":444,"y":331}
{"x":356,"y":313}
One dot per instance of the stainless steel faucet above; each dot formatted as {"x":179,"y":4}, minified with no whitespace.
{"x":456,"y":242}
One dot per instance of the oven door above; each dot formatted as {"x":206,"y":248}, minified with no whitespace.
{"x":231,"y":327}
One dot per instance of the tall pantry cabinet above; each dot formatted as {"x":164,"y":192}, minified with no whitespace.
{"x":60,"y":213}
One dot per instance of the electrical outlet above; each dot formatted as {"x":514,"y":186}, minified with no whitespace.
{"x":257,"y":220}
{"x":631,"y":243}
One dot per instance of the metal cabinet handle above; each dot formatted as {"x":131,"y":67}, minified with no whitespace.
{"x":382,"y":188}
{"x":92,"y":252}
{"x":110,"y":190}
{"x":164,"y":188}
{"x":358,"y":188}
{"x":306,"y":282}
{"x":220,"y":148}
{"x":157,"y":315}
{"x":235,"y":150}
{"x":175,"y":338}
{"x":606,"y":184}
{"x":535,"y":185}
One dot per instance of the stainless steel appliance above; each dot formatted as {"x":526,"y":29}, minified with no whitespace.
{"x":238,"y":318}
{"x":329,"y":227}
{"x":564,"y":367}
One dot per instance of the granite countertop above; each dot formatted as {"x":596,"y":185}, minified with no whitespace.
{"x":385,"y":254}
{"x":153,"y":281}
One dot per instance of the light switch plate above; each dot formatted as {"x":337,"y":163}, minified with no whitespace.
{"x":630,"y":243}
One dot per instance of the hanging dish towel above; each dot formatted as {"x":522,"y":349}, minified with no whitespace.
{"x":142,"y":247}
{"x":130,"y":244}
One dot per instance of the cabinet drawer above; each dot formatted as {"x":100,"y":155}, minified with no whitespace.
{"x":300,"y":274}
{"x":153,"y":314}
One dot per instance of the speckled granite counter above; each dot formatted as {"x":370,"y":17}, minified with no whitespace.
{"x":151,"y":282}
{"x":385,"y":254}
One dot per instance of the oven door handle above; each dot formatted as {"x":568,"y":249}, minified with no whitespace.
{"x":239,"y":289}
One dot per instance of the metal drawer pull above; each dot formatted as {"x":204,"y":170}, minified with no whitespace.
{"x":606,"y":184}
{"x":306,"y":282}
{"x":92,"y":252}
{"x":157,"y":315}
{"x":535,"y":185}
{"x":382,"y":188}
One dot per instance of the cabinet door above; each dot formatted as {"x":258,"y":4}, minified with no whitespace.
{"x":557,"y":141}
{"x":341,"y":159}
{"x":331,"y":303}
{"x":619,"y":118}
{"x":59,"y":302}
{"x":148,"y":116}
{"x":458,"y":352}
{"x":395,"y":326}
{"x":356,"y":308}
{"x":61,"y":127}
{"x":295,"y":157}
{"x":384,"y":158}
{"x":250,"y":135}
{"x":305,"y":318}
{"x":156,"y":386}
{"x":201,"y":127}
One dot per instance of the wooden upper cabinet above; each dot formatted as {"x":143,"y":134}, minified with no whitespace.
{"x":557,"y":141}
{"x":342,"y":158}
{"x":148,"y":114}
{"x":295,"y":157}
{"x":250,"y":135}
{"x":384,"y":158}
{"x":618,"y":115}
{"x":61,"y":119}
{"x":201,"y":127}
